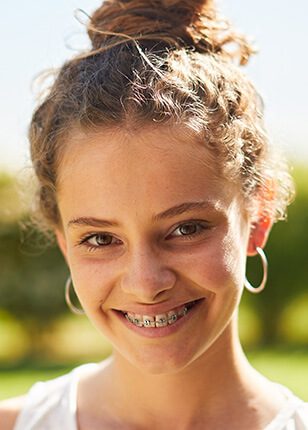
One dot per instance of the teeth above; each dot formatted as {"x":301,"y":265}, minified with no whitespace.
{"x":148,"y":321}
{"x":161,"y":320}
{"x":137,"y":320}
{"x":172,"y":317}
{"x":183,"y":311}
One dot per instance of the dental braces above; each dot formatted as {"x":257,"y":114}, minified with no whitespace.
{"x":149,"y":323}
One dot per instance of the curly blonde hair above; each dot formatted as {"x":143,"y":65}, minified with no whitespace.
{"x":165,"y":61}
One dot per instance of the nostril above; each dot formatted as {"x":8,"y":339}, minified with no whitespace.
{"x":147,"y":282}
{"x":159,"y":296}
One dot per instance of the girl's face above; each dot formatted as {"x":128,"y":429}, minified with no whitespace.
{"x":156,"y":243}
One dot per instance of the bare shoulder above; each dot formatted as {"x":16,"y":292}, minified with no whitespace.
{"x":9,"y":410}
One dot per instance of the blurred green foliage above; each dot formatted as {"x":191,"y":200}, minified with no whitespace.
{"x":32,"y":276}
{"x":32,"y":280}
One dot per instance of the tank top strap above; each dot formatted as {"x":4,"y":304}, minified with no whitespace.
{"x":52,"y":404}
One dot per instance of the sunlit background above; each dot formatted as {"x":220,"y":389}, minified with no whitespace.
{"x":35,"y":329}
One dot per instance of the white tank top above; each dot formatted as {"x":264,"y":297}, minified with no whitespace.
{"x":52,"y":405}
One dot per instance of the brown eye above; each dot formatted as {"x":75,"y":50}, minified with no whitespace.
{"x":103,"y":239}
{"x":100,"y":241}
{"x":187,"y":229}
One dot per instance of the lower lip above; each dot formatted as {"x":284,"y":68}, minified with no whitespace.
{"x":158,"y":332}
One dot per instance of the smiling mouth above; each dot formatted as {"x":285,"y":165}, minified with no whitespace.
{"x":161,"y":320}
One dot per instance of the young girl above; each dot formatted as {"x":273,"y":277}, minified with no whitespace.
{"x":155,"y":173}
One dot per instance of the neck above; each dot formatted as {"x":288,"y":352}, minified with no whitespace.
{"x":195,"y":391}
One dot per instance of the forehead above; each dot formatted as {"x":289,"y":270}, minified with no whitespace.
{"x":150,"y":169}
{"x":173,"y":145}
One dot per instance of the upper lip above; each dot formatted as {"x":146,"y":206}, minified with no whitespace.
{"x":155,"y":309}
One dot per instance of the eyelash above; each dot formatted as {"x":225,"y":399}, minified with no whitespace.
{"x":90,"y":247}
{"x":200,"y":226}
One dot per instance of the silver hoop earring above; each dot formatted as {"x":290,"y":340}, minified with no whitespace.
{"x":258,"y":289}
{"x":68,"y":299}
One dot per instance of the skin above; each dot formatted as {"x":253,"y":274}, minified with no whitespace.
{"x":149,"y":225}
{"x":145,"y":271}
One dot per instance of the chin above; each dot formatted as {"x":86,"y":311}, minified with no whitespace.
{"x":159,"y":361}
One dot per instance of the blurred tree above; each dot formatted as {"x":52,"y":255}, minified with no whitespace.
{"x":32,"y":277}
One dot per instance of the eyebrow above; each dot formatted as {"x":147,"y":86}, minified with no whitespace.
{"x":92,"y":222}
{"x":184,"y":208}
{"x":169,"y":213}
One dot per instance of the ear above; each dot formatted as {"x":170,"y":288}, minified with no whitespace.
{"x":62,"y":243}
{"x":259,"y":234}
{"x":260,"y":229}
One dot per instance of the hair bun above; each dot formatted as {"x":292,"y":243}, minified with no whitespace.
{"x":174,"y":23}
{"x":178,"y":22}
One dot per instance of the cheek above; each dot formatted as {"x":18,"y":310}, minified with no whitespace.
{"x":219,"y":268}
{"x":93,"y":282}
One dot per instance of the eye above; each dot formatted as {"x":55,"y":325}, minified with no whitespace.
{"x":189,"y":229}
{"x":99,"y":240}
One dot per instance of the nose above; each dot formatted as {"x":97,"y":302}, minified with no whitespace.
{"x":146,"y":276}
